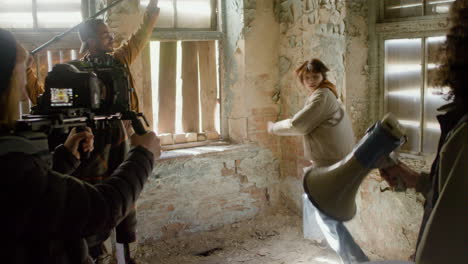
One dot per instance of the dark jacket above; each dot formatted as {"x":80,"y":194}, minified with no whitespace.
{"x":110,"y":150}
{"x":443,"y":234}
{"x":47,"y":213}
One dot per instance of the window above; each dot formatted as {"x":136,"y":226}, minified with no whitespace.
{"x":40,"y":14}
{"x":186,"y":14}
{"x":408,"y":40}
{"x":410,"y":68}
{"x":184,"y":72}
{"x":394,"y":9}
{"x":185,"y":90}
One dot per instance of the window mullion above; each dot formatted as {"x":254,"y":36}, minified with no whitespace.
{"x":423,"y":87}
{"x":214,"y":8}
{"x":174,"y":3}
{"x":34,"y":14}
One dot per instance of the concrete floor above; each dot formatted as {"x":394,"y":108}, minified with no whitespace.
{"x":273,"y":238}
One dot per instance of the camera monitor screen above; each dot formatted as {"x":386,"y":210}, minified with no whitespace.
{"x":61,"y":97}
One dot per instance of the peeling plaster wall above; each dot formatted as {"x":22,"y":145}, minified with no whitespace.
{"x":204,"y":192}
{"x":309,"y":29}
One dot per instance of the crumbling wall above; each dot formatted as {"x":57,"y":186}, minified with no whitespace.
{"x":309,"y":29}
{"x":204,"y":192}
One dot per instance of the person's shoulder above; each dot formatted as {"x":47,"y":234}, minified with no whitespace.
{"x":321,"y":93}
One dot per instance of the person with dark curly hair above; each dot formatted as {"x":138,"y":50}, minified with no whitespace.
{"x":443,"y":237}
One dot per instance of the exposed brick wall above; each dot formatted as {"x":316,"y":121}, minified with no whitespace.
{"x":199,"y":193}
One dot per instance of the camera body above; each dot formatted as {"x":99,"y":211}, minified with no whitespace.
{"x":70,"y":91}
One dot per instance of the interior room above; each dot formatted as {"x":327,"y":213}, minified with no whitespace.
{"x":211,"y":78}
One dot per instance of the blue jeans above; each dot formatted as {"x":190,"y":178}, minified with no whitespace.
{"x":338,"y":237}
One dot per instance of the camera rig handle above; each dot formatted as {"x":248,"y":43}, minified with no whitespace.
{"x":136,"y":122}
{"x":83,"y":155}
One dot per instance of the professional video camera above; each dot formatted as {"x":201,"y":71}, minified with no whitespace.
{"x":70,"y":91}
{"x":75,"y":98}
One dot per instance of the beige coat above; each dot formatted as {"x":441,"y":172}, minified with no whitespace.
{"x":325,"y":126}
{"x":445,"y":238}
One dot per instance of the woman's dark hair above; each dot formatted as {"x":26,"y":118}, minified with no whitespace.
{"x":313,"y":65}
{"x":454,"y":70}
{"x":7,"y":58}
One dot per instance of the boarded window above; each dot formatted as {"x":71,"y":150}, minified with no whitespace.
{"x":185,"y":90}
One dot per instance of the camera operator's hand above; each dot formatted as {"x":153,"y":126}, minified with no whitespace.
{"x":75,"y":138}
{"x":149,"y":141}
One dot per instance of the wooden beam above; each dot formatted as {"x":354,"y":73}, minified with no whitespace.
{"x":167,"y":87}
{"x":147,"y":91}
{"x":208,"y":91}
{"x":190,"y":105}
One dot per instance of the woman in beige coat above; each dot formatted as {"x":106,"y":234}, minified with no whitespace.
{"x":327,"y":137}
{"x":323,"y":122}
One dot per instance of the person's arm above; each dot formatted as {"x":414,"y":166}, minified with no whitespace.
{"x":412,"y":179}
{"x":52,"y":205}
{"x":42,"y":203}
{"x":33,"y":87}
{"x":66,"y":157}
{"x":307,"y":119}
{"x":128,"y":52}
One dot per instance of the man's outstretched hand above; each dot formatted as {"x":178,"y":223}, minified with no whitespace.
{"x":152,"y":6}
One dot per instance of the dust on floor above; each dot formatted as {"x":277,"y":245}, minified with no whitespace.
{"x":273,"y":238}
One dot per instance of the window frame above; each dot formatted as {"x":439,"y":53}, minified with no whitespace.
{"x":87,"y":7}
{"x":219,"y":35}
{"x":423,"y":16}
{"x":382,"y":30}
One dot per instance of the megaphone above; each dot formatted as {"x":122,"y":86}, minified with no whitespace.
{"x":333,"y":189}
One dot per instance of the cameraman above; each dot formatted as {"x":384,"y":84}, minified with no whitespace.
{"x":47,"y":213}
{"x":110,"y":143}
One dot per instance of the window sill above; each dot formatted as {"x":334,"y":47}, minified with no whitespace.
{"x":214,"y":148}
{"x":187,"y":35}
